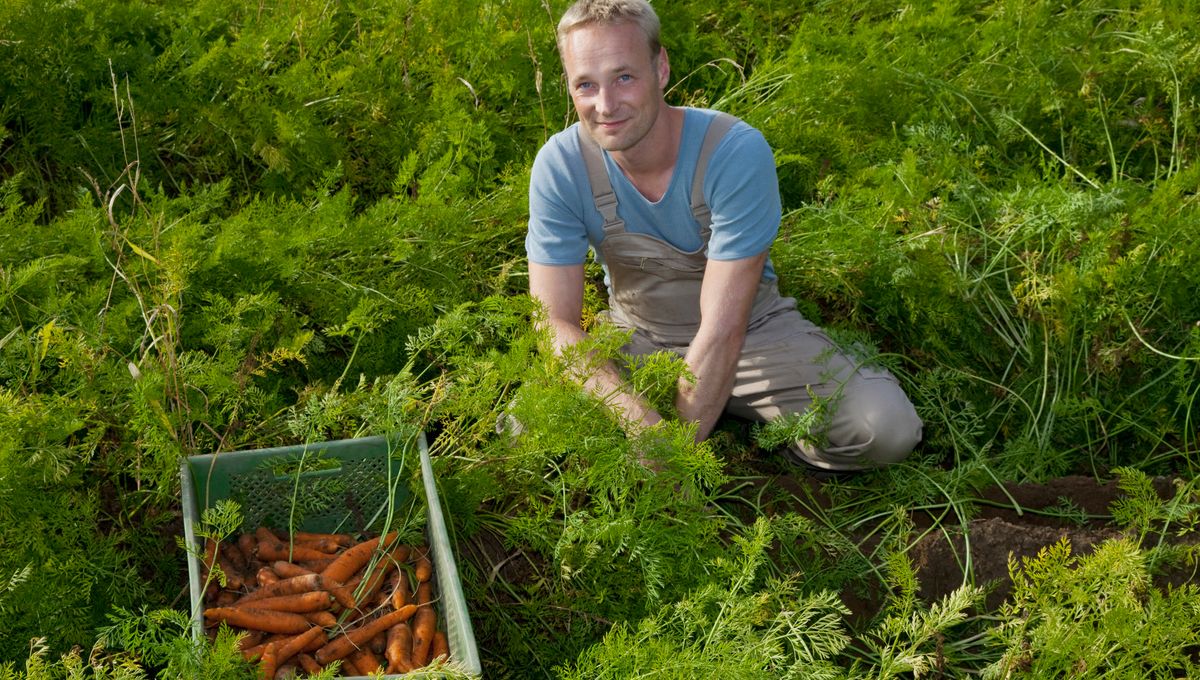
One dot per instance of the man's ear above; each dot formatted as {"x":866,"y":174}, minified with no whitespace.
{"x":662,"y":67}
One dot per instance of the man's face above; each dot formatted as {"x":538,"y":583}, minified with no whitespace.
{"x":615,"y":81}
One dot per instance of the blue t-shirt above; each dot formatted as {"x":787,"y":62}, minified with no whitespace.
{"x":740,"y":188}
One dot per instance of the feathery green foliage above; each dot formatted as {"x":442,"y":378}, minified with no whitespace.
{"x":229,"y":226}
{"x":737,"y":624}
{"x":1095,"y":616}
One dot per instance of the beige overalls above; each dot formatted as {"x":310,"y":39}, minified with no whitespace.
{"x":654,"y":290}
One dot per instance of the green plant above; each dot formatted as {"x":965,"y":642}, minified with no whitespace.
{"x":230,"y":226}
{"x":1094,"y":616}
{"x":72,"y":665}
{"x":912,"y":637}
{"x":738,"y":624}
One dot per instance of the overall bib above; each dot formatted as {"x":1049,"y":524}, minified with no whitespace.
{"x":654,"y":290}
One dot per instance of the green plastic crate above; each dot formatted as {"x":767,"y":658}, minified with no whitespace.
{"x":348,"y":492}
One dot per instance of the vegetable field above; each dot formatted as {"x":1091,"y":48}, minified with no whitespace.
{"x":231,"y":225}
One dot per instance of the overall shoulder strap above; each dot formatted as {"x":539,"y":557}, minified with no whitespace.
{"x":602,"y":192}
{"x":720,"y":125}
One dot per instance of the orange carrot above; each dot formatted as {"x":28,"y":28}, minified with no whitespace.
{"x":378,"y":644}
{"x":247,"y":544}
{"x":266,"y":576}
{"x":399,"y":648}
{"x":423,"y":568}
{"x":355,"y":558}
{"x":342,"y":594}
{"x":269,"y":662}
{"x":300,"y":603}
{"x":348,"y":667}
{"x":366,"y":660}
{"x":289,"y":570}
{"x":424,"y":626}
{"x":365,"y":593}
{"x":313,"y":637}
{"x":256,"y":652}
{"x":325,"y":546}
{"x":234,"y":563}
{"x":342,"y":540}
{"x":441,"y":646}
{"x":234,"y":580}
{"x":402,"y":595}
{"x":259,"y":619}
{"x":225,"y":598}
{"x":317,"y":565}
{"x":250,"y":638}
{"x":263,"y":535}
{"x":287,"y":586}
{"x":271,"y":552}
{"x":424,"y":593}
{"x":309,"y":664}
{"x":401,"y":553}
{"x":286,"y":671}
{"x":342,"y":645}
{"x":234,"y":554}
{"x":323,"y":619}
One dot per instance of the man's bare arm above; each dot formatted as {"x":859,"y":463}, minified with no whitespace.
{"x":560,"y":291}
{"x":726,"y":299}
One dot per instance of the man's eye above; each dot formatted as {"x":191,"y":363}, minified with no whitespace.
{"x":625,"y":78}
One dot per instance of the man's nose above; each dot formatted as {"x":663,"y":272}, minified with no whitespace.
{"x":606,"y":102}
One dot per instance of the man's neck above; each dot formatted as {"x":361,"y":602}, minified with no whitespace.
{"x":650,"y":164}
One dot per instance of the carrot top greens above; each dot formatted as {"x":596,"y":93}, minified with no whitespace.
{"x":232,"y":226}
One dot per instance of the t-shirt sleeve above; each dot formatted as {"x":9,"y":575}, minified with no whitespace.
{"x":742,"y":191}
{"x":557,"y":233}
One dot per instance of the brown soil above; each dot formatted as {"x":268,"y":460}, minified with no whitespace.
{"x":945,"y":563}
{"x":1002,"y":533}
{"x":1010,"y":522}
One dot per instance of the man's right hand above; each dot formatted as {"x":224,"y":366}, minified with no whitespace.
{"x":559,"y":289}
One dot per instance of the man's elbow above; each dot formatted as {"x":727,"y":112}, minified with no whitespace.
{"x":556,"y":333}
{"x":727,"y":333}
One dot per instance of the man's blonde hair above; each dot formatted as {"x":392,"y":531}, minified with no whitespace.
{"x":608,"y":12}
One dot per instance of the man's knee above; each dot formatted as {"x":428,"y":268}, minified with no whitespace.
{"x":883,"y":418}
{"x":873,"y":424}
{"x":897,"y":431}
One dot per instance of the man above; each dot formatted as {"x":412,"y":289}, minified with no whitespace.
{"x":681,"y":206}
